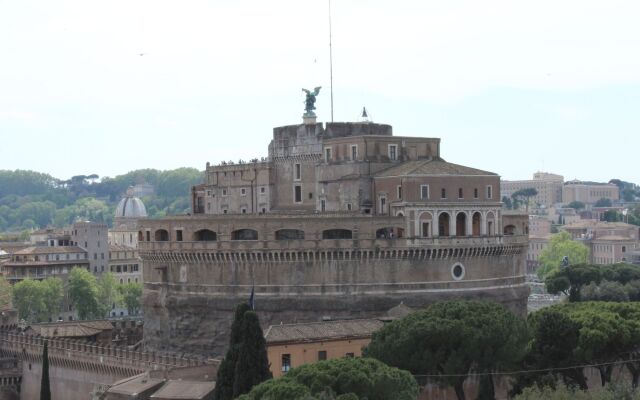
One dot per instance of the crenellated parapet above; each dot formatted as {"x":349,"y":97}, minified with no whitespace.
{"x":83,"y":356}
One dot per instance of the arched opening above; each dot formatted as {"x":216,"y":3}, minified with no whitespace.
{"x":337,"y":234}
{"x":161,"y":235}
{"x":475,"y":224}
{"x":443,"y":224}
{"x":140,"y":236}
{"x":244,"y":234}
{"x":390,"y":233}
{"x":509,"y":230}
{"x":425,"y":226}
{"x":491,"y":223}
{"x":205,"y":235}
{"x":289,"y":234}
{"x":461,"y":224}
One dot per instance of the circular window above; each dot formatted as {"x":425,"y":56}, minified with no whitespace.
{"x":457,"y":271}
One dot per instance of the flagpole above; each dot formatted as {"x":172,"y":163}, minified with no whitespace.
{"x":330,"y":61}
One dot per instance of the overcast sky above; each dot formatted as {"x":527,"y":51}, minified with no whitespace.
{"x":510,"y":86}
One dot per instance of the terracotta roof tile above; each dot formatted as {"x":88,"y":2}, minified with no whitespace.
{"x":326,"y":330}
{"x":431,"y":167}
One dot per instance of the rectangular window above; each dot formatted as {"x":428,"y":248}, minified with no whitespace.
{"x":179,"y":235}
{"x":244,"y":210}
{"x":297,"y":174}
{"x":399,"y":192}
{"x":224,"y":211}
{"x":297,"y":191}
{"x":243,"y":192}
{"x":460,"y":194}
{"x":489,"y":192}
{"x":475,"y":193}
{"x":224,"y":192}
{"x":349,"y":355}
{"x":383,"y":205}
{"x":354,"y":152}
{"x":443,"y":193}
{"x":424,"y":191}
{"x":393,"y":152}
{"x":208,"y":206}
{"x":286,"y":363}
{"x":262,"y":189}
{"x":323,"y":205}
{"x":322,"y":355}
{"x":327,"y":154}
{"x":425,"y":229}
{"x":349,"y":206}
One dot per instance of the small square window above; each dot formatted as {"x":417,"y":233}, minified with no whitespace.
{"x":322,"y":355}
{"x":262,"y":190}
{"x":224,"y":192}
{"x":243,"y":192}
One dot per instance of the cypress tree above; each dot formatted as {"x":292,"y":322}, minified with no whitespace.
{"x":227,"y":370}
{"x":45,"y":390}
{"x":252,"y":366}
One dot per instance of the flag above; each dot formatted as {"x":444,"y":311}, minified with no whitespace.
{"x":252,"y":302}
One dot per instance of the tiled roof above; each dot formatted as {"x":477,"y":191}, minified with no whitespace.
{"x":134,"y":385}
{"x":72,"y":328}
{"x":326,"y":330}
{"x":50,"y":250}
{"x":614,"y":238}
{"x":431,"y":167}
{"x":184,"y":390}
{"x":592,"y":223}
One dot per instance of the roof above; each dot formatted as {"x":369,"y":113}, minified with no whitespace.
{"x":431,"y":167}
{"x":326,"y":330}
{"x":50,"y":250}
{"x":72,"y":328}
{"x":618,"y":238}
{"x":592,"y":223}
{"x":184,"y":390}
{"x":132,"y":386}
{"x":120,"y":247}
{"x":131,"y":207}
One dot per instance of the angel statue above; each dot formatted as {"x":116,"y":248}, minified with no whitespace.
{"x":310,"y":101}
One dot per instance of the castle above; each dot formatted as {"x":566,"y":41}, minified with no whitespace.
{"x":341,"y":220}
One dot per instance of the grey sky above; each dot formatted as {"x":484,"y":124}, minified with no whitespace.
{"x":513,"y":87}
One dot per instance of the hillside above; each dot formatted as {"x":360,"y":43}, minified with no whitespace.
{"x":30,"y":199}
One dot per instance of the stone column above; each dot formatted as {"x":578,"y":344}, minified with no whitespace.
{"x":452,"y":224}
{"x":483,"y":223}
{"x":469,"y":229}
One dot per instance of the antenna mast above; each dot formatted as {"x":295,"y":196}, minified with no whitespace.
{"x":330,"y":61}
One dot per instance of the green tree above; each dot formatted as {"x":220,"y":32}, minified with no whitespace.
{"x":525,"y":195}
{"x":131,"y":295}
{"x":507,"y":203}
{"x":561,"y":245}
{"x":344,"y":378}
{"x":53,"y":292}
{"x":252,"y":366}
{"x":452,"y":339}
{"x":45,"y":390}
{"x":5,"y":293}
{"x":227,"y":370}
{"x":84,"y":293}
{"x":570,"y":280}
{"x":108,"y":293}
{"x":29,"y":300}
{"x":610,"y":392}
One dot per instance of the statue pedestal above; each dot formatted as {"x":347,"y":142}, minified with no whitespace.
{"x":309,"y":119}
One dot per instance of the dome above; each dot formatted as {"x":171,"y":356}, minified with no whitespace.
{"x":131,"y":207}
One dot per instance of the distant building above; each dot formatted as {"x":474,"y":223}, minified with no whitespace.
{"x":126,"y":266}
{"x":40,"y":262}
{"x":142,"y":190}
{"x":125,"y":225}
{"x":292,"y":345}
{"x":50,"y":237}
{"x":549,"y":187}
{"x":608,"y":242}
{"x":93,"y":238}
{"x":539,"y":226}
{"x":589,"y":192}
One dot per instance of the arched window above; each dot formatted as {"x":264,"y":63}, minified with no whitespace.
{"x":337,"y":234}
{"x":443,"y":224}
{"x":509,"y":230}
{"x":205,"y":235}
{"x":461,"y":224}
{"x":161,"y":235}
{"x":289,"y":234}
{"x":475,"y":224}
{"x":244,"y":234}
{"x":140,"y":236}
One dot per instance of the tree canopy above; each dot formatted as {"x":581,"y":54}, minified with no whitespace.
{"x":452,"y":340}
{"x":341,"y":379}
{"x":37,"y":301}
{"x":561,"y":245}
{"x":619,"y":282}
